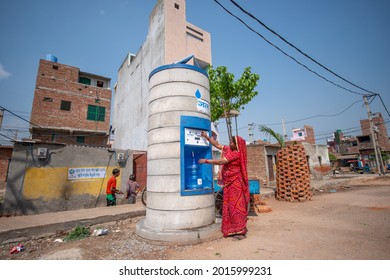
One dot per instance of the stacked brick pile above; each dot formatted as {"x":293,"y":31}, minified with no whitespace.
{"x":257,"y":205}
{"x":292,"y":174}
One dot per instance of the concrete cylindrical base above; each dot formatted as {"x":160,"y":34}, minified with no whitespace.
{"x":175,"y":91}
{"x":179,"y":237}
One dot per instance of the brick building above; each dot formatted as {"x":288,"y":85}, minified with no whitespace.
{"x":304,"y":134}
{"x":5,"y":158}
{"x":70,"y":106}
{"x":258,"y":167}
{"x":380,"y":131}
{"x":359,"y":150}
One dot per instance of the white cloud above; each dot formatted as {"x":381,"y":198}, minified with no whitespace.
{"x":3,"y":73}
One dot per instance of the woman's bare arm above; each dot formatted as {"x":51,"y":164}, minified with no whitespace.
{"x":212,"y":141}
{"x":214,"y":161}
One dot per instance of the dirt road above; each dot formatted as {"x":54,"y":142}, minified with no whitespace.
{"x":351,"y":222}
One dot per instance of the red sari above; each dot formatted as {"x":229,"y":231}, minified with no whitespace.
{"x":235,"y":189}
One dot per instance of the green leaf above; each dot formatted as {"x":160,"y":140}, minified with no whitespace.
{"x":227,"y":95}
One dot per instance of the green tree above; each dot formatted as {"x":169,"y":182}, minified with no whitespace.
{"x":227,"y":95}
{"x":270,"y":132}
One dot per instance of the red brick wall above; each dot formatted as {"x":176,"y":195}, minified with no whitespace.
{"x":383,"y":138}
{"x":310,"y":138}
{"x":62,"y":84}
{"x":257,"y":167}
{"x":5,"y":156}
{"x":140,"y":168}
{"x":365,"y":126}
{"x":95,"y":140}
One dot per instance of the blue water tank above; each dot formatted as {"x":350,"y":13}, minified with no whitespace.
{"x":254,"y":186}
{"x":51,"y":58}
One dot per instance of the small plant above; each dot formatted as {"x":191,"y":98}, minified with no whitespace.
{"x":77,"y":234}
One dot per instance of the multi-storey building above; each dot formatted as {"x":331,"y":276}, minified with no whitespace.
{"x":70,"y":106}
{"x":305,"y":134}
{"x":359,"y":150}
{"x":380,"y":131}
{"x":366,"y":143}
{"x":170,"y":39}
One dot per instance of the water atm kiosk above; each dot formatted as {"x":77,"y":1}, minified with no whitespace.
{"x":196,"y":178}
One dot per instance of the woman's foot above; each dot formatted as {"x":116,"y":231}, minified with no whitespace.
{"x":239,"y":237}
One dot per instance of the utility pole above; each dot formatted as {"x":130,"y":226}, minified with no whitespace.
{"x":284,"y":131}
{"x":378,"y":157}
{"x":1,"y":117}
{"x":250,"y":128}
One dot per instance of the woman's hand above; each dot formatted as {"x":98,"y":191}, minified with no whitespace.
{"x":202,"y":160}
{"x":211,"y":140}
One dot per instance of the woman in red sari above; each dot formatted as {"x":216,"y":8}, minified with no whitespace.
{"x":234,"y":180}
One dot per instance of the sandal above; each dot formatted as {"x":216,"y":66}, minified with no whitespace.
{"x":238,"y":237}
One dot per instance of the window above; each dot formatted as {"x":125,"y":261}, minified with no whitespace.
{"x":177,"y":6}
{"x":99,"y":84}
{"x":85,"y":81}
{"x":196,"y":31}
{"x":80,"y":139}
{"x":96,"y":113}
{"x":65,"y":105}
{"x":48,"y":99}
{"x":55,"y":67}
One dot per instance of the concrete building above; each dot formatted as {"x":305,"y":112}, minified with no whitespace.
{"x":70,"y":106}
{"x":303,"y":134}
{"x":5,"y":159}
{"x":359,"y":150}
{"x":170,"y":39}
{"x":70,"y":177}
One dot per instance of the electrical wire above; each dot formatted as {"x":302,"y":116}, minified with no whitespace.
{"x":316,"y":116}
{"x":354,"y":129}
{"x":380,"y":97}
{"x":5,"y":109}
{"x":312,"y":117}
{"x":327,"y":134}
{"x":7,"y":137}
{"x":300,"y":51}
{"x":50,"y":130}
{"x":303,"y":65}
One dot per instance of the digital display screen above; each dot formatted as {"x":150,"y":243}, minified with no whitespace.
{"x":193,"y":137}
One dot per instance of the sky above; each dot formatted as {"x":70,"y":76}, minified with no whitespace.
{"x":348,"y":37}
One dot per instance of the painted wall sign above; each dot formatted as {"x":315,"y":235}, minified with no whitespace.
{"x":202,"y":105}
{"x":86,"y":173}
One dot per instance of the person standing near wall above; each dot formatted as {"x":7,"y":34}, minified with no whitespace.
{"x":235,"y":183}
{"x":111,"y":190}
{"x":132,"y":188}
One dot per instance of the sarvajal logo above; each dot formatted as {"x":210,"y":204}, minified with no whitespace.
{"x":202,"y":105}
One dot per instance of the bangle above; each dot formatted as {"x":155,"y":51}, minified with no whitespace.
{"x":207,"y":161}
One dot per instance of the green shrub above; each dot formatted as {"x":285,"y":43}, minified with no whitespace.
{"x":77,"y":234}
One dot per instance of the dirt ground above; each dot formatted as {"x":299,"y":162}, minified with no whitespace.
{"x":350,"y":222}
